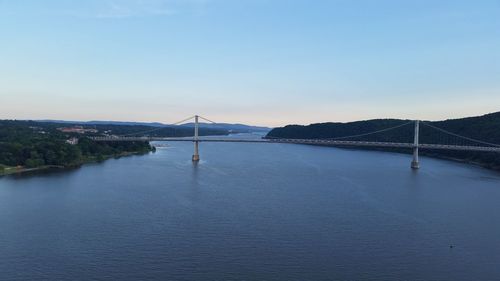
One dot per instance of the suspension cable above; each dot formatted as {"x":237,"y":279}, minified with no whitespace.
{"x":459,"y":136}
{"x":182,"y":121}
{"x":207,"y":119}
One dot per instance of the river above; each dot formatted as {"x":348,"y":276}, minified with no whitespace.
{"x":252,"y":211}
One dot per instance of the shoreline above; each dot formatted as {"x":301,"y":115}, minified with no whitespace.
{"x":20,"y":170}
{"x":9,"y":171}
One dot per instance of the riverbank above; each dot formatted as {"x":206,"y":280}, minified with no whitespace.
{"x":94,"y":159}
{"x":20,"y":169}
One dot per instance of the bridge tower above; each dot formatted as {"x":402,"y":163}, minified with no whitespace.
{"x":415,"y":163}
{"x":196,"y":155}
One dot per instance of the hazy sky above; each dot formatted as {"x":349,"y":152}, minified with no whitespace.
{"x":263,"y":62}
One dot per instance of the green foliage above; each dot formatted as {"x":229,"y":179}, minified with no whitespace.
{"x":35,"y":144}
{"x":34,"y":162}
{"x":334,"y":130}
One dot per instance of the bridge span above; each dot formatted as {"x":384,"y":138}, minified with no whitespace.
{"x":307,"y":141}
{"x":478,"y":145}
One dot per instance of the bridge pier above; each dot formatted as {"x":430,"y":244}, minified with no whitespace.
{"x":415,"y":162}
{"x":196,"y":154}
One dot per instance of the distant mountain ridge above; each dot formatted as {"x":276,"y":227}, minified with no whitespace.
{"x":96,"y":122}
{"x":237,"y":128}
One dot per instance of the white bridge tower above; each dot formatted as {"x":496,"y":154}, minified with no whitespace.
{"x":415,"y":163}
{"x":196,"y":155}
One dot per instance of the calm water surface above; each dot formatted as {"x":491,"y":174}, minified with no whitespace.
{"x":253,"y":212}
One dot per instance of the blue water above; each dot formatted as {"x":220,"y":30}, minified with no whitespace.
{"x":253,"y":212}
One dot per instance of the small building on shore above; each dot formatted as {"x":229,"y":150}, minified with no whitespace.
{"x":72,"y":141}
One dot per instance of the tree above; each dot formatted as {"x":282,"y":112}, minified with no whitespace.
{"x":34,"y":162}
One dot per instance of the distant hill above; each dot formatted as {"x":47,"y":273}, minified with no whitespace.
{"x":234,"y":128}
{"x":485,"y":128}
{"x":132,"y":128}
{"x":120,"y":123}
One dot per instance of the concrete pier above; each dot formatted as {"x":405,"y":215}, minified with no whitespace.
{"x":415,"y":164}
{"x":196,"y":155}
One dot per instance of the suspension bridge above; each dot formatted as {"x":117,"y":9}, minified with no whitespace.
{"x":378,"y":138}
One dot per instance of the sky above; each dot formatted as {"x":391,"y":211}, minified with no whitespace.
{"x":261,"y":62}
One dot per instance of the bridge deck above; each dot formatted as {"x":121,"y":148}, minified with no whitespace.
{"x":309,"y":141}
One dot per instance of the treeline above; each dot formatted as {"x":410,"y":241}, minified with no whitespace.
{"x":485,"y":128}
{"x":34,"y":144}
{"x":335,"y":130}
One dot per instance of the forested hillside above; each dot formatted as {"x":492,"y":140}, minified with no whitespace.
{"x":33,"y":144}
{"x":485,"y":128}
